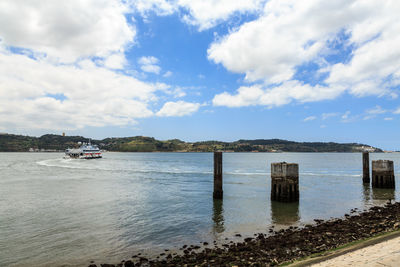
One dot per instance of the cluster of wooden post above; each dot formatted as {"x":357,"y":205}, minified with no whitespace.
{"x":284,"y":180}
{"x":382,"y":172}
{"x":285,"y":177}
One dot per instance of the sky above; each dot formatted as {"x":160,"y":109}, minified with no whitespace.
{"x":301,"y":70}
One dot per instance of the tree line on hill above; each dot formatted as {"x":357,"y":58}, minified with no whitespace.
{"x":51,"y":142}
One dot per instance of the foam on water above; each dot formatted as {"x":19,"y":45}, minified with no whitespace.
{"x":105,"y":166}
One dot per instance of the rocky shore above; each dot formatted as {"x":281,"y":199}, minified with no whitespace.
{"x":281,"y":246}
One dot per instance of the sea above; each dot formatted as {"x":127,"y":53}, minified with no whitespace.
{"x":68,"y":212}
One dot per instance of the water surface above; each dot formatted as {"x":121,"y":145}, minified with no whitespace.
{"x":55,"y":211}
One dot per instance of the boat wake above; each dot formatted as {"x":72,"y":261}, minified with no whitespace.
{"x":85,"y":165}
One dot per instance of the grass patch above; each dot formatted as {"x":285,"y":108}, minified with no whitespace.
{"x":341,"y":247}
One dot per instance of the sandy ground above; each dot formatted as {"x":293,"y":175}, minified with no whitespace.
{"x":386,"y":253}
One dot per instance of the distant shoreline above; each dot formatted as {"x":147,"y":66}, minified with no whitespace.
{"x":54,"y":143}
{"x":61,"y":151}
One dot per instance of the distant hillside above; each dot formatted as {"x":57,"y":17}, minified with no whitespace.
{"x":51,"y":142}
{"x":21,"y":143}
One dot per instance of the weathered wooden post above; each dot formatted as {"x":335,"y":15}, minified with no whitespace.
{"x":218,"y":193}
{"x":285,"y":181}
{"x":365,"y":157}
{"x":383,"y":174}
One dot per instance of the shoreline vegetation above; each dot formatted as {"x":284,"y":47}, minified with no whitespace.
{"x":286,"y":246}
{"x":58,"y":143}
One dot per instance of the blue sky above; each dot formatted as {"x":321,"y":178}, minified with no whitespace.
{"x":202,"y":70}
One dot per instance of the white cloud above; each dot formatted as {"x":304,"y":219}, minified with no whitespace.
{"x":310,"y":118}
{"x":89,"y":95}
{"x":151,"y":68}
{"x":368,"y":117}
{"x":148,"y":60}
{"x":167,"y":74}
{"x":178,"y":109}
{"x":203,"y":14}
{"x":288,"y":34}
{"x":373,"y":112}
{"x":246,"y":96}
{"x":292,"y":33}
{"x":329,"y":115}
{"x":276,"y":96}
{"x":177,"y":92}
{"x":65,"y":73}
{"x":347,"y":117}
{"x":115,"y":61}
{"x":66,"y":31}
{"x":160,"y":7}
{"x":376,"y":110}
{"x":207,"y":13}
{"x":397,"y":111}
{"x":388,"y":119}
{"x":149,"y":64}
{"x":181,"y":91}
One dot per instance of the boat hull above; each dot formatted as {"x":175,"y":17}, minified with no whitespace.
{"x":84,"y":156}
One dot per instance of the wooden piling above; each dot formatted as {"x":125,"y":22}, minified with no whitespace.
{"x":365,"y":157}
{"x":218,"y":193}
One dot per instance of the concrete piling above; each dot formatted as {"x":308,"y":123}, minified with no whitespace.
{"x":383,"y":174}
{"x":218,"y":193}
{"x":284,"y":182}
{"x":365,"y":158}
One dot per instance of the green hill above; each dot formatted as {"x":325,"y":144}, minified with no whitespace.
{"x":51,"y":142}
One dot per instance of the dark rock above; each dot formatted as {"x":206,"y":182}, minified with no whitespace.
{"x":289,"y":244}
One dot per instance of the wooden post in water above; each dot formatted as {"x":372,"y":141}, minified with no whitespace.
{"x":383,"y":174}
{"x":218,"y":193}
{"x":365,"y":158}
{"x":285,"y":182}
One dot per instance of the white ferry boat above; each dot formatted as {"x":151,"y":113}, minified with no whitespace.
{"x":85,"y":151}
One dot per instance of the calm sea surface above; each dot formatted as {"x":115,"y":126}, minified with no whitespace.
{"x":56,"y":211}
